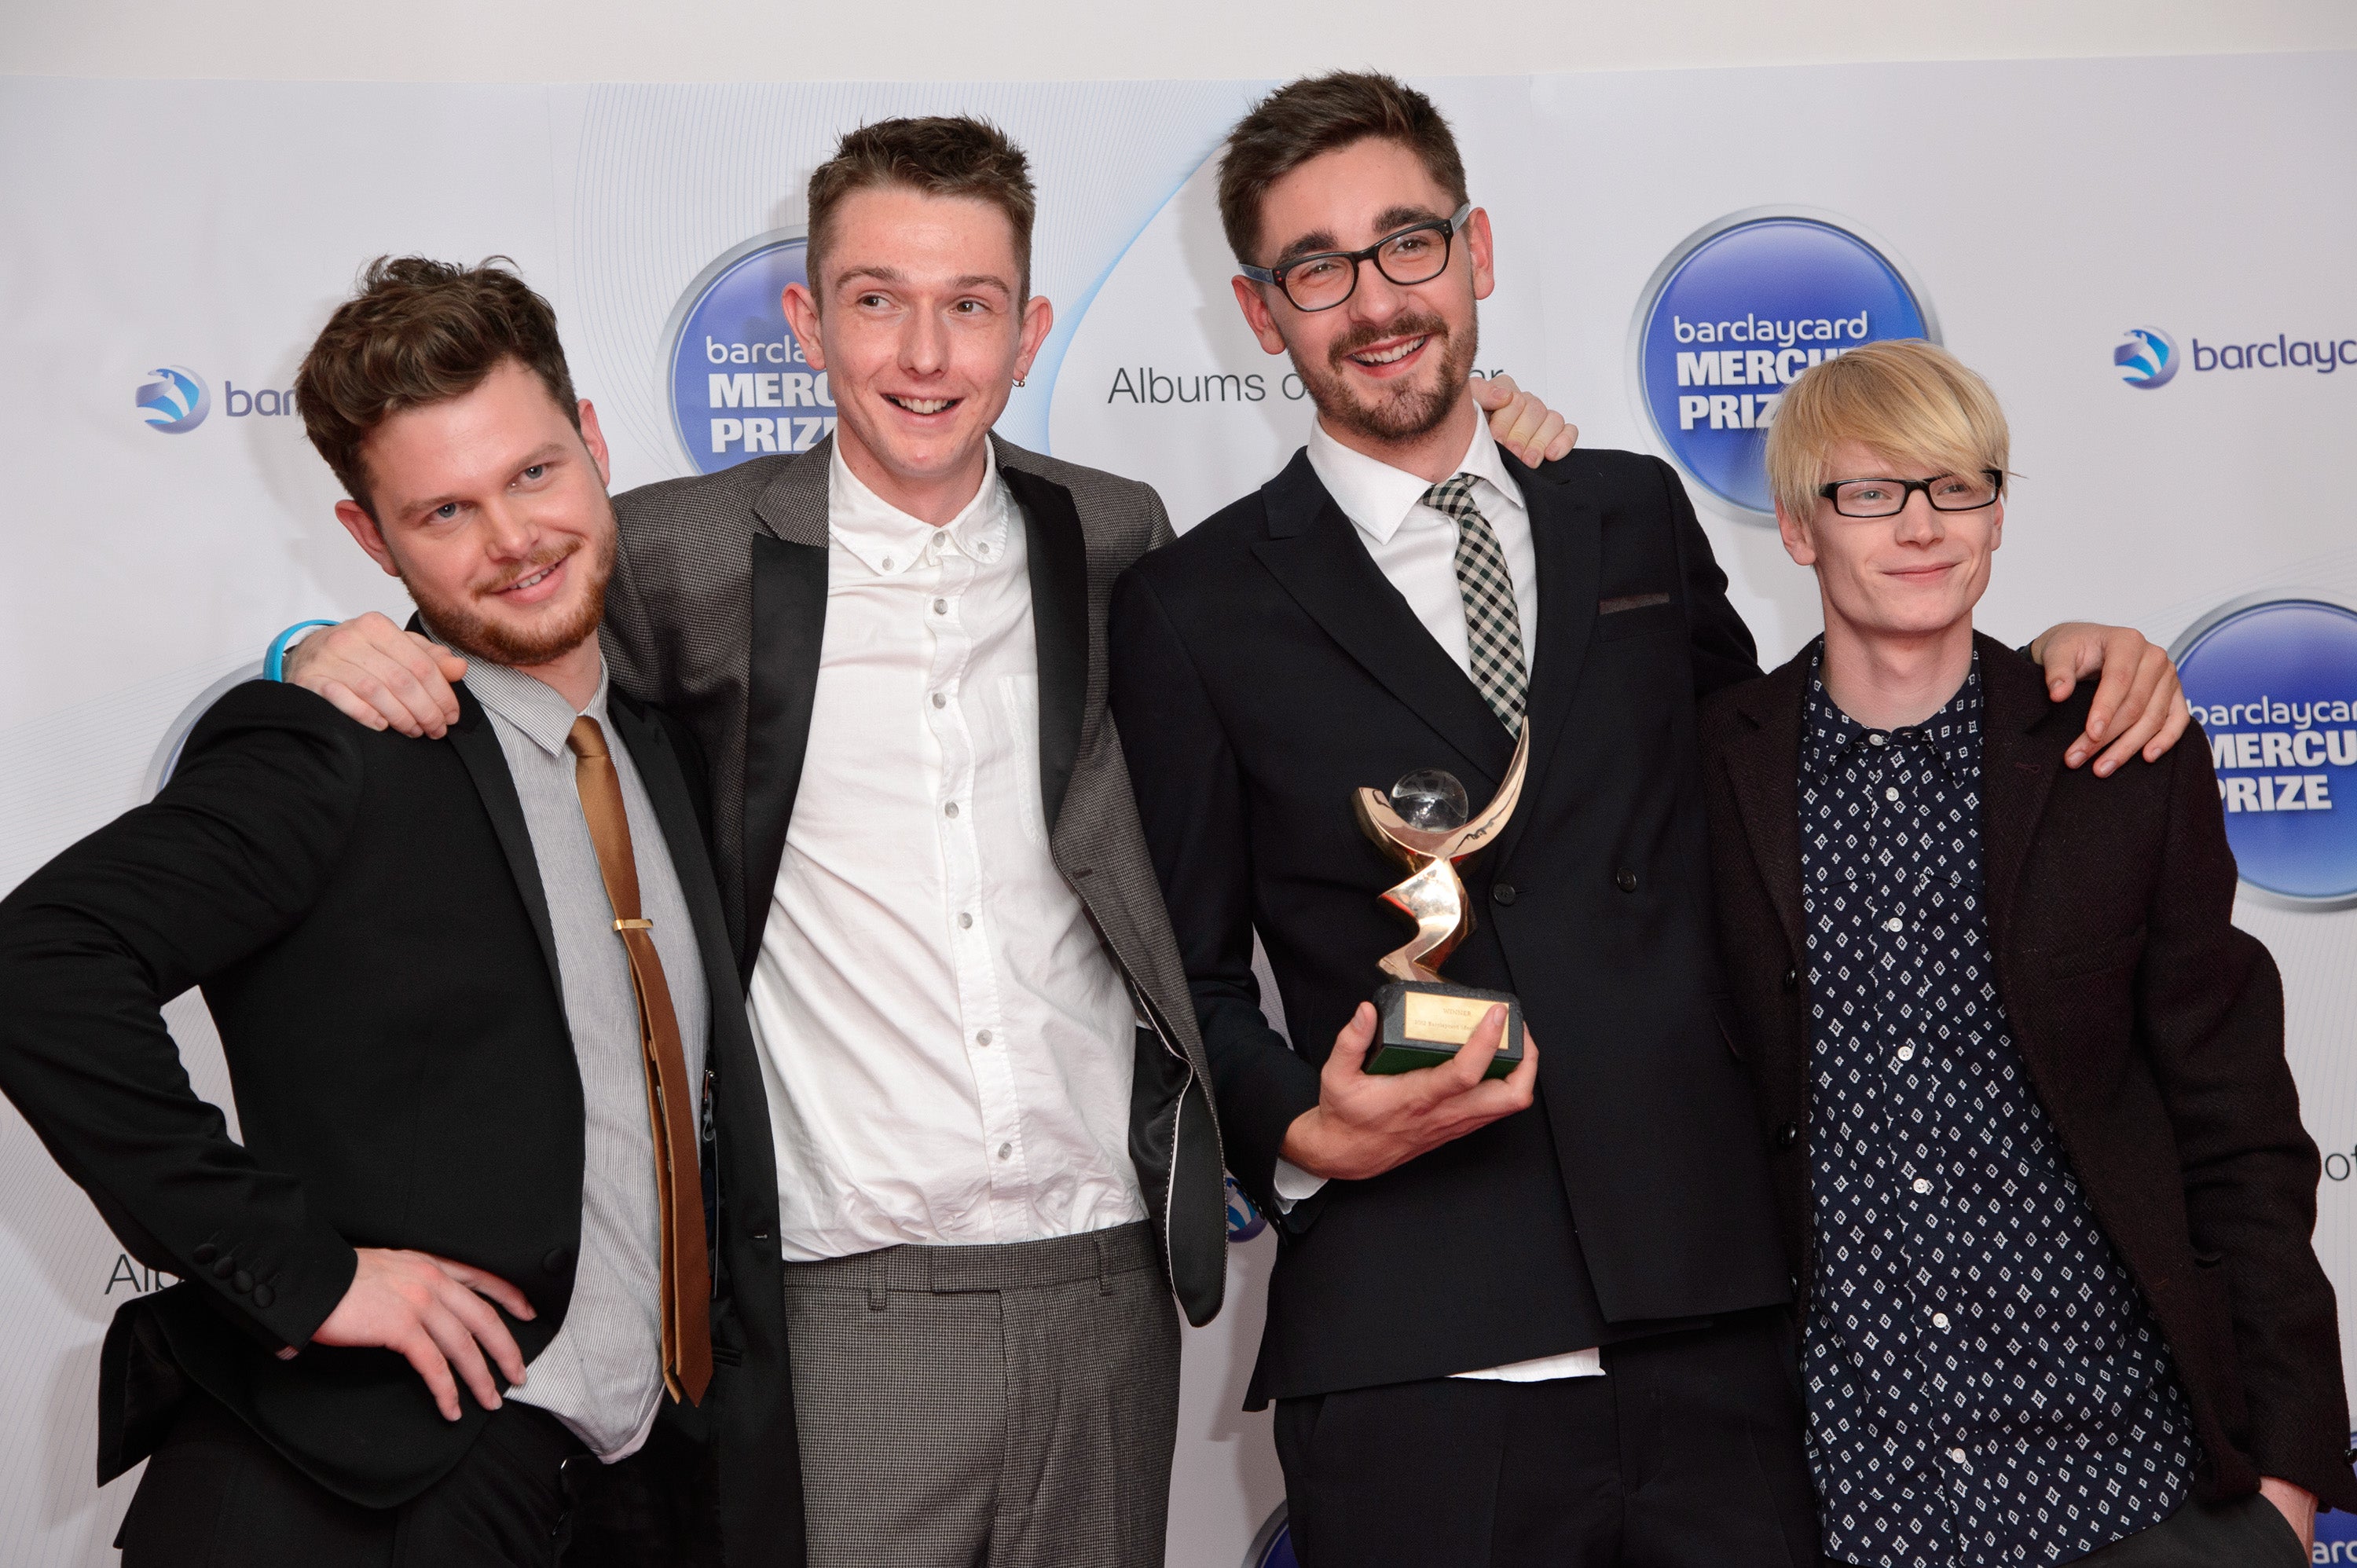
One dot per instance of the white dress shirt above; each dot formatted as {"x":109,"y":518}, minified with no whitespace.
{"x":946,"y":1045}
{"x":1415,"y":548}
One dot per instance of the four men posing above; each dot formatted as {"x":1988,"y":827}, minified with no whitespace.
{"x":957,"y":1126}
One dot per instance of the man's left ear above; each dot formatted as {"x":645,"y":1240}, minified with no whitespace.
{"x":1039,"y":319}
{"x":595,"y":439}
{"x":1477,"y":245}
{"x":1997,"y":522}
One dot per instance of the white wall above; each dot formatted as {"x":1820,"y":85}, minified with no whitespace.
{"x":764,"y":40}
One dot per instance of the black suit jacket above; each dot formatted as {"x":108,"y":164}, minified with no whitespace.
{"x":366,"y":919}
{"x":718,"y":611}
{"x":1264,"y":667}
{"x":2151,"y":1029}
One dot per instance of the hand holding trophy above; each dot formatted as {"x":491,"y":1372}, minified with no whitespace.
{"x":1421,"y":822}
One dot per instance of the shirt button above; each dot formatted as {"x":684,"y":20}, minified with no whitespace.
{"x":1890,"y":792}
{"x":1876,"y":739}
{"x":939,"y":701}
{"x":887,"y":563}
{"x":1938,"y":1320}
{"x":1625,"y":881}
{"x":1922,"y":1185}
{"x":965,"y":922}
{"x":1892,"y":924}
{"x":982,"y":1038}
{"x":1004,"y":1150}
{"x":1907,"y":1053}
{"x":951,"y":810}
{"x":940,"y":606}
{"x":1956,"y":1455}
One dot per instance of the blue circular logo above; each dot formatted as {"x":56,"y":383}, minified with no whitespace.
{"x":2146,"y":357}
{"x":1735,"y":315}
{"x":2274,"y":682}
{"x":1244,"y":1218}
{"x":1272,"y":1546}
{"x":737,"y":382}
{"x":174,"y":400}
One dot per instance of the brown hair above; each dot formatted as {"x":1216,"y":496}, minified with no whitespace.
{"x":421,"y":332}
{"x":1905,"y":400}
{"x":940,"y":155}
{"x":1321,"y":114}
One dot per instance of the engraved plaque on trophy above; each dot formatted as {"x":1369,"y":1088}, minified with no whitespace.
{"x":1422,"y":822}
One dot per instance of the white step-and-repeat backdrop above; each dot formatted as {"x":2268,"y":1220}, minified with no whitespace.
{"x":2150,"y":259}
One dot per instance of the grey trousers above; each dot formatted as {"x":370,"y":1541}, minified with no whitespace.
{"x":986,"y":1407}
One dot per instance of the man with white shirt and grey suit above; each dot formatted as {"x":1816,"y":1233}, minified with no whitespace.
{"x":479,"y":1003}
{"x":995,"y":1143}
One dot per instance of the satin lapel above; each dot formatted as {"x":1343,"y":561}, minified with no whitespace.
{"x":666,"y":786}
{"x":1565,"y":539}
{"x":1314,"y":552}
{"x":2017,"y":768}
{"x":477,"y":746}
{"x":789,"y":625}
{"x":1764,"y":767}
{"x":1057,"y":554}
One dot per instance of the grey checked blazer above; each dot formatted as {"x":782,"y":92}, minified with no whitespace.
{"x":716,"y":612}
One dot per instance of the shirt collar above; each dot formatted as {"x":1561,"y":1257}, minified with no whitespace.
{"x":1953,"y":734}
{"x":1379,"y":498}
{"x":533,"y":706}
{"x":888,"y":541}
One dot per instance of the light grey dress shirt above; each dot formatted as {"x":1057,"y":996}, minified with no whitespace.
{"x":602,"y":1375}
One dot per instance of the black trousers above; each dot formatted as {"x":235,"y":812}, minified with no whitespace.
{"x":1688,"y":1453}
{"x":217,"y":1495}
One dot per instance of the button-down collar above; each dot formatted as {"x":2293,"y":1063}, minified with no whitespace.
{"x":535,"y":707}
{"x":1378,"y":498}
{"x":888,"y":541}
{"x":1952,"y":736}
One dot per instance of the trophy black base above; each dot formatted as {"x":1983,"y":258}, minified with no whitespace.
{"x":1421,"y":1023}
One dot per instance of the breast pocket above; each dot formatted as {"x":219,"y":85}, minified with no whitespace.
{"x":1637,"y":615}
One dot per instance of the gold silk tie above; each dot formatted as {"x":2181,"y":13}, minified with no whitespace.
{"x":670,"y":1099}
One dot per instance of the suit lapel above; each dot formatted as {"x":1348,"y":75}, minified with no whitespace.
{"x":1565,"y":539}
{"x":477,"y":746}
{"x":789,"y":573}
{"x":1057,"y":554}
{"x":2018,"y":770}
{"x":1764,"y":767}
{"x":1314,"y":552}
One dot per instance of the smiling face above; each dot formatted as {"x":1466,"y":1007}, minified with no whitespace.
{"x":491,"y":510}
{"x":1387,"y":367}
{"x":920,"y":325}
{"x":1907,"y":577}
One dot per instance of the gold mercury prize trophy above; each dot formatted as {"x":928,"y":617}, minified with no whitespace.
{"x":1421,"y":823}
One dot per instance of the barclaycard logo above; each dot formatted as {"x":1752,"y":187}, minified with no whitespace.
{"x":736,"y":381}
{"x":174,"y":400}
{"x":1273,"y":1547}
{"x":2148,"y":356}
{"x":1733,"y":315}
{"x":1244,"y":1218}
{"x":2273,"y":678}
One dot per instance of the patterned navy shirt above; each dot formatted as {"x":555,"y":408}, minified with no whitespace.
{"x":1985,"y":1384}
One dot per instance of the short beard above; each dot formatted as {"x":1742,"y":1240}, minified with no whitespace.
{"x":1403,"y":415}
{"x":476,"y":635}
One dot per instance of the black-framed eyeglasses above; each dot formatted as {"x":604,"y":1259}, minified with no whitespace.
{"x":1417,"y":253}
{"x":1888,"y":498}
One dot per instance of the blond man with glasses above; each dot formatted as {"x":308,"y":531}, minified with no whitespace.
{"x":2041,"y":1171}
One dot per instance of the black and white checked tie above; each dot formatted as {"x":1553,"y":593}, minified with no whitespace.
{"x":1493,"y":627}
